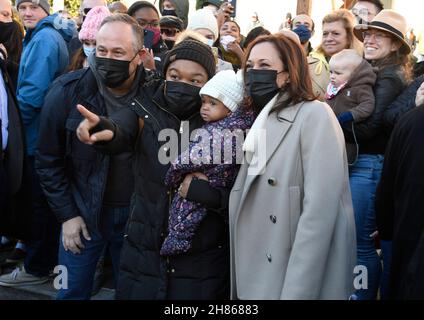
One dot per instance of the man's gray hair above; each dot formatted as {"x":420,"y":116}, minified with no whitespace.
{"x":137,"y":31}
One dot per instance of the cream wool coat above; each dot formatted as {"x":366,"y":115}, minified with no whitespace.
{"x":292,"y":229}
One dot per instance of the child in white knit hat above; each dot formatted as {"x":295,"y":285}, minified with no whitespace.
{"x":216,"y":152}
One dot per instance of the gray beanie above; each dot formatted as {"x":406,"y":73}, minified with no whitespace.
{"x":44,"y":4}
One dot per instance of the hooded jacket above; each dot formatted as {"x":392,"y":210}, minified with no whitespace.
{"x":373,"y":133}
{"x":181,"y":9}
{"x":44,"y":57}
{"x":357,"y":96}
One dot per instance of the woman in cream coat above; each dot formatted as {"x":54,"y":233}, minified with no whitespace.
{"x":291,"y":218}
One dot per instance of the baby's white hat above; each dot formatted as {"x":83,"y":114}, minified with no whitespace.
{"x":227,"y":87}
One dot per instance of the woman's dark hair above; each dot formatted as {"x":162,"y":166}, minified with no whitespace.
{"x":253,"y":34}
{"x":295,"y":63}
{"x":14,"y":43}
{"x":140,"y":5}
{"x":396,"y":58}
{"x":233,"y":21}
{"x":77,"y":61}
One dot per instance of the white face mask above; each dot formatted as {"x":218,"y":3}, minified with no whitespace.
{"x":225,"y":40}
{"x":88,"y":50}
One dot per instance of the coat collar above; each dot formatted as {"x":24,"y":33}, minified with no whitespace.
{"x":277,"y":127}
{"x":289,"y":114}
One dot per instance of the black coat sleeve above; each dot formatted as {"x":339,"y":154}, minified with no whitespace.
{"x":385,"y":197}
{"x":51,"y":152}
{"x":125,"y":126}
{"x":388,"y":86}
{"x":403,"y":103}
{"x":215,"y":199}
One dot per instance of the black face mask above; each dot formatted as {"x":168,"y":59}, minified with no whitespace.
{"x":169,"y":44}
{"x":262,"y":86}
{"x":183,"y":99}
{"x":6,"y":29}
{"x":166,"y":12}
{"x":113,"y":72}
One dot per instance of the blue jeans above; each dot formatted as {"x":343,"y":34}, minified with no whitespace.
{"x":364,"y":177}
{"x":81,"y":267}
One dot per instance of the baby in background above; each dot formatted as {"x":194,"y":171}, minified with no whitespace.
{"x":222,"y":113}
{"x":350,"y":91}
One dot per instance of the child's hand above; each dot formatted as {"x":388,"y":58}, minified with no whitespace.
{"x":183,"y":189}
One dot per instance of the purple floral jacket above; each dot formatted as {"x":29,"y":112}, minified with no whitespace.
{"x":217,"y":153}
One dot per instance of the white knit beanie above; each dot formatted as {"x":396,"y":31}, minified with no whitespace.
{"x":227,"y":87}
{"x":203,"y":19}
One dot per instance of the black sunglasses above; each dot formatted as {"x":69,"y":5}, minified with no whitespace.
{"x":169,"y":32}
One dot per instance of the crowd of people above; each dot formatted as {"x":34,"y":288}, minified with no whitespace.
{"x":208,"y":164}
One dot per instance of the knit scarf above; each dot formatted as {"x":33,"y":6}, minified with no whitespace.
{"x":256,"y":139}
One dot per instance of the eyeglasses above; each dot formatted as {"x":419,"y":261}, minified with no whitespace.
{"x":143,"y":23}
{"x":169,"y":32}
{"x":378,"y":36}
{"x":363,"y":12}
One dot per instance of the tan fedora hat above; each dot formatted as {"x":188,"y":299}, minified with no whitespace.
{"x":389,"y":21}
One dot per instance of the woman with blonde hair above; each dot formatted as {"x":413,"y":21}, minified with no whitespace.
{"x":337,"y":34}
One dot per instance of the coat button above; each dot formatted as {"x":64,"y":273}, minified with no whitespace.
{"x":273,"y":218}
{"x":272,"y":181}
{"x":269,"y":257}
{"x":146,"y":116}
{"x":133,"y":104}
{"x":172,"y":270}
